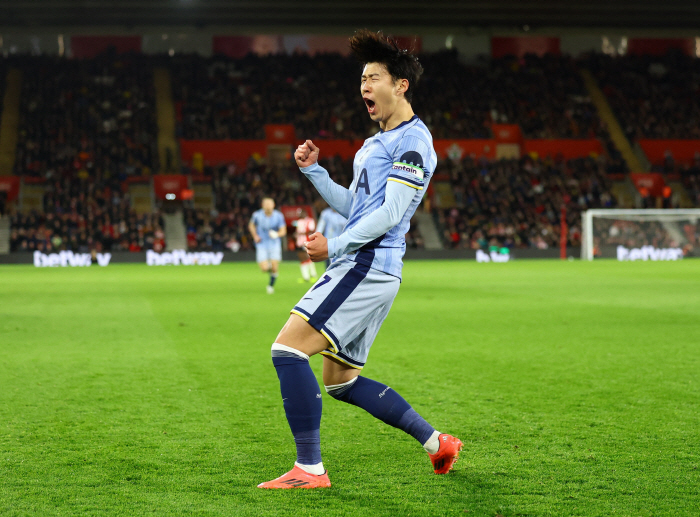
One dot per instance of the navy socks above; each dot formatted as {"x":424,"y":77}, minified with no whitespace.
{"x":303,"y":404}
{"x":302,"y":401}
{"x":273,"y":277}
{"x":383,"y":403}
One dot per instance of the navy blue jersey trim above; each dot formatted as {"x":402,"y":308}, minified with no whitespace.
{"x":299,"y":309}
{"x":365,"y":255}
{"x":332,"y":336}
{"x":349,"y":359}
{"x":338,"y":295}
{"x":414,"y":117}
{"x":407,"y":180}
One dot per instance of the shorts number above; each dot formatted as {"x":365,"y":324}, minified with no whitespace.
{"x":323,"y":281}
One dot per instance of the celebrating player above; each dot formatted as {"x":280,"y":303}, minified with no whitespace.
{"x":304,"y":227}
{"x":330,"y":224}
{"x":267,"y":226}
{"x":340,"y":316}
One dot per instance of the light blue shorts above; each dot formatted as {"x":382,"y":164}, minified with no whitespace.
{"x":265,"y":252}
{"x":348,"y":305}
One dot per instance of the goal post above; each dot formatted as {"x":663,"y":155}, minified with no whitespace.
{"x":639,"y":234}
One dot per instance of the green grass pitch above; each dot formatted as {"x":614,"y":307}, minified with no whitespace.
{"x":130,"y":390}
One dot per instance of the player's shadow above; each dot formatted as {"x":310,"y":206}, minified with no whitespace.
{"x":460,"y":490}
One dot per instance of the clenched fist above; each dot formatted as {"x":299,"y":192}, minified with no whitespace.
{"x":317,"y":247}
{"x":306,"y":154}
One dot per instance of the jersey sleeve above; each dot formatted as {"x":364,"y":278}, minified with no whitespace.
{"x":409,"y":162}
{"x":280,"y":220}
{"x":396,"y":201}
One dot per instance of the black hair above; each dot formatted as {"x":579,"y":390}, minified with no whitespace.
{"x":374,"y":47}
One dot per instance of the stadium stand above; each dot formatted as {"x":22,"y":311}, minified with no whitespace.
{"x":75,"y":113}
{"x":83,"y":215}
{"x":517,"y":203}
{"x":88,"y":125}
{"x":653,"y":96}
{"x":224,"y":98}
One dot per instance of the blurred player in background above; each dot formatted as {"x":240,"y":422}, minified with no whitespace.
{"x":305,"y":226}
{"x":331,"y":225}
{"x":267,"y":226}
{"x":340,"y":316}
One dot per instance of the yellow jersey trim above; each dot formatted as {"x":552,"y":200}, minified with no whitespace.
{"x":324,"y":333}
{"x":300,"y":314}
{"x":331,"y":354}
{"x":405,"y":183}
{"x":335,"y":348}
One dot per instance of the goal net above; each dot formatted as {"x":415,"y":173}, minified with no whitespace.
{"x":640,"y":234}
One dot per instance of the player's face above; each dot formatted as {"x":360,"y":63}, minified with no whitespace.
{"x":379,"y":91}
{"x":268,"y":205}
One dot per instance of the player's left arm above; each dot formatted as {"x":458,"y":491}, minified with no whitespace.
{"x":407,"y":175}
{"x":281,"y":231}
{"x":398,"y":199}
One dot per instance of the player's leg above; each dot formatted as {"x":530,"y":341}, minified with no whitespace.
{"x":262,"y":257}
{"x":304,"y":262}
{"x":302,"y":401}
{"x":274,"y":268}
{"x":343,"y":382}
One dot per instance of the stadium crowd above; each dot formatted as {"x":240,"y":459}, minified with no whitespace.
{"x":220,"y":98}
{"x":74,"y":113}
{"x":517,"y":203}
{"x":652,"y":96}
{"x":83,"y":215}
{"x":87,"y":125}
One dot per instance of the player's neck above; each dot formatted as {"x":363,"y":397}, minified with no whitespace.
{"x":402,"y":113}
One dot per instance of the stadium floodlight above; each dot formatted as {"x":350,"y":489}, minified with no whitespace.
{"x":639,"y":234}
{"x":170,"y":196}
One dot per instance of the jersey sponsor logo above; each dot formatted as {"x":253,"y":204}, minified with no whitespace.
{"x":363,"y":182}
{"x":412,"y":169}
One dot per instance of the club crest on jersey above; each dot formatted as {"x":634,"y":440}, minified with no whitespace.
{"x":406,"y":167}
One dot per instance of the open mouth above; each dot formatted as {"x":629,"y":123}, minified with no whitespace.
{"x":370,"y":105}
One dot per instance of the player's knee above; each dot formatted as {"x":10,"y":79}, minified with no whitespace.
{"x":341,"y":391}
{"x":279,"y":351}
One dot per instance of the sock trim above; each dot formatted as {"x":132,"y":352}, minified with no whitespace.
{"x":277,"y":347}
{"x":332,"y":387}
{"x":312,"y":469}
{"x":432,"y":444}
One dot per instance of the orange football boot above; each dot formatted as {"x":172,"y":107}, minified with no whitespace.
{"x":446,"y":456}
{"x":298,"y":478}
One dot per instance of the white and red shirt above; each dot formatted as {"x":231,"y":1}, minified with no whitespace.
{"x":305,"y":227}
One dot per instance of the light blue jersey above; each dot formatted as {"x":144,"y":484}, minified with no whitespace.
{"x":264,"y":223}
{"x":391,"y":173}
{"x":330,"y":223}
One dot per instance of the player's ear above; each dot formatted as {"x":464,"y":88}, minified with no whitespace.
{"x":402,"y":86}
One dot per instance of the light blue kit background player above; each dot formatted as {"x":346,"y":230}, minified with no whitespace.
{"x":268,"y":227}
{"x":330,"y":224}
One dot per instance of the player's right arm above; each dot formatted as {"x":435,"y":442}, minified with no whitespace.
{"x":335,"y":195}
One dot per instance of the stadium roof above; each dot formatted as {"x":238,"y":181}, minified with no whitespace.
{"x":355,"y":13}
